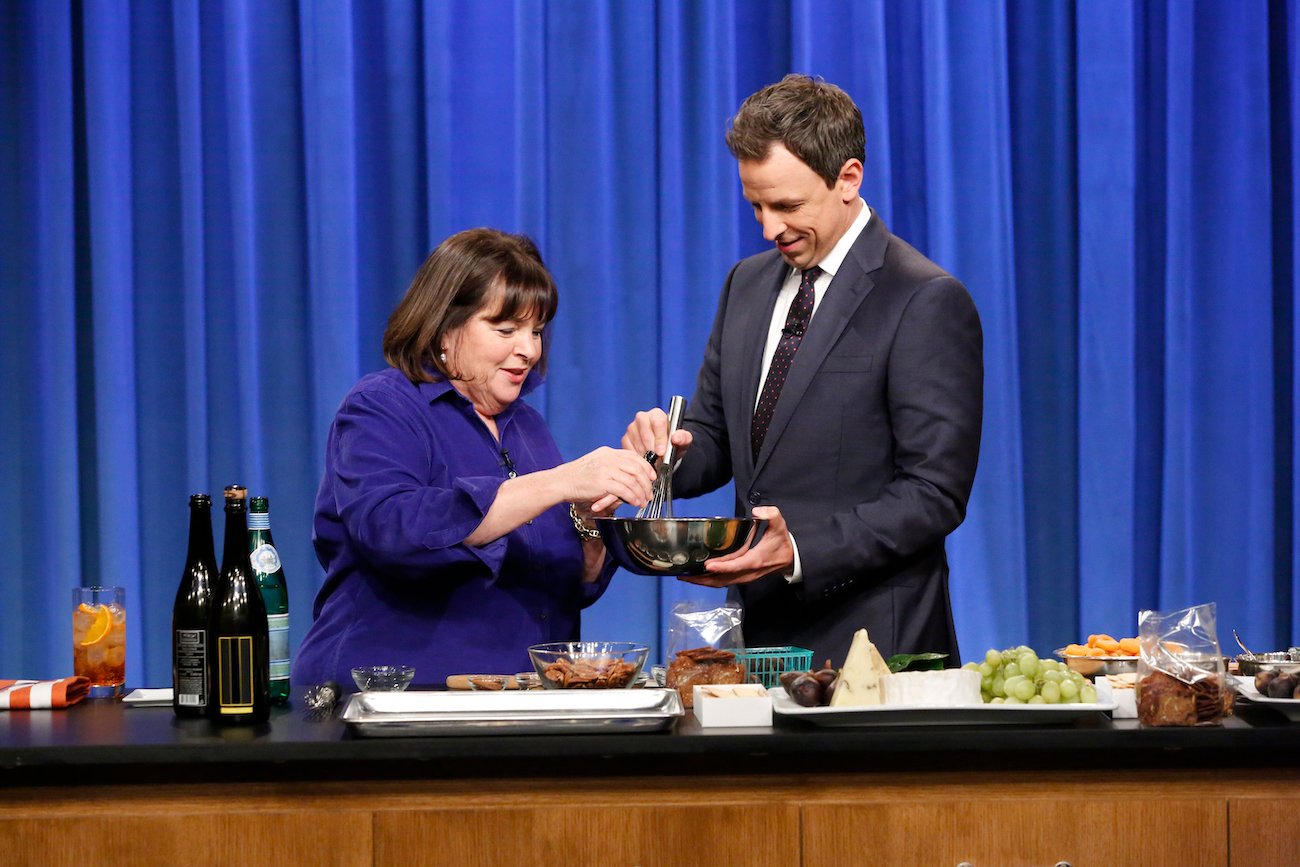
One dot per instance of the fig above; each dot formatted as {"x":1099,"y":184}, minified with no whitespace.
{"x":806,"y":690}
{"x":826,"y":676}
{"x":788,"y":678}
{"x":1263,"y":678}
{"x":830,"y":690}
{"x":1282,"y":686}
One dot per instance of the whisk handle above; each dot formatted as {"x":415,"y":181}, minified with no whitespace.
{"x":676,"y":409}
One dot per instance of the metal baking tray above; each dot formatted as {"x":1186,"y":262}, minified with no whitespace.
{"x":551,"y":711}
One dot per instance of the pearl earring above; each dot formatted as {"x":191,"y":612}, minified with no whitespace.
{"x":442,"y":356}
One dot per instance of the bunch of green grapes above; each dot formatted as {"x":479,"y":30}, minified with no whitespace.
{"x":1017,"y":676}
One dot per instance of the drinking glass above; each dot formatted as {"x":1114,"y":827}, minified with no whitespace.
{"x":99,"y":638}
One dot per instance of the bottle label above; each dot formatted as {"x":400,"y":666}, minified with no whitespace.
{"x":265,"y":558}
{"x":277,"y":627}
{"x":191,"y":669}
{"x":235,"y":673}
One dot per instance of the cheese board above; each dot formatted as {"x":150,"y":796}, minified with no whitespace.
{"x":983,"y":714}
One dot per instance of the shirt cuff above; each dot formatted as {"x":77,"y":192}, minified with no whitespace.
{"x":593,"y":591}
{"x":482,"y":492}
{"x":796,"y":571}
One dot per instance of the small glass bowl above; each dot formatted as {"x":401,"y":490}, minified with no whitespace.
{"x":383,"y":678}
{"x":488,"y":682}
{"x":528,"y":680}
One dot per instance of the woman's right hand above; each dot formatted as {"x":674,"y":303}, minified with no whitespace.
{"x":607,"y":472}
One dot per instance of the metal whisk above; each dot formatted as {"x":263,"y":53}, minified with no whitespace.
{"x":661,"y":497}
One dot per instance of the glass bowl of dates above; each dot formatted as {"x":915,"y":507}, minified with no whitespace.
{"x":588,"y":664}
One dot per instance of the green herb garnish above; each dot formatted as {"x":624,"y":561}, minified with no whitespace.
{"x":916,"y":662}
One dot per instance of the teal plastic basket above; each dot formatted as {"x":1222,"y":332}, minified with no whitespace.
{"x":765,"y":665}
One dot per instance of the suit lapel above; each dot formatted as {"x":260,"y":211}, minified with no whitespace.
{"x":848,"y":289}
{"x":754,"y":330}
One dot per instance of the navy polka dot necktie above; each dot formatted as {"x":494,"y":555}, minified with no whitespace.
{"x":796,"y":323}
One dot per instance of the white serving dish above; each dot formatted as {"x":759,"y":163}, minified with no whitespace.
{"x":159,"y":697}
{"x":731,"y":705}
{"x":895,"y":715}
{"x":1290,"y":707}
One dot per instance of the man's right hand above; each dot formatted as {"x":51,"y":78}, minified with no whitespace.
{"x":648,"y":432}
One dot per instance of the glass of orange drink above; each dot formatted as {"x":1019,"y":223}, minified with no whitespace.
{"x":99,"y":638}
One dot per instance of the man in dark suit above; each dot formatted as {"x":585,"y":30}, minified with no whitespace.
{"x":842,"y":389}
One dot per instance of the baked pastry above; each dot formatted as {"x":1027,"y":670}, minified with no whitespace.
{"x":699,"y":666}
{"x":1165,"y":701}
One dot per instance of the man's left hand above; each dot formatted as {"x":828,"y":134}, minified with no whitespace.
{"x":772,"y":554}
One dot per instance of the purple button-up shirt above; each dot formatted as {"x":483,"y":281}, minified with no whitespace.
{"x":410,"y":471}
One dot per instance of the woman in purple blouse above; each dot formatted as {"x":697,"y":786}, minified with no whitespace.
{"x":452,"y":534}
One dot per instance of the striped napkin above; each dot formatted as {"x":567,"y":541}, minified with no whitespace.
{"x":41,"y":694}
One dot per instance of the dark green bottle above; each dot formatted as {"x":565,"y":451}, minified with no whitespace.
{"x":237,"y":637}
{"x":190,"y":614}
{"x":275,"y":593}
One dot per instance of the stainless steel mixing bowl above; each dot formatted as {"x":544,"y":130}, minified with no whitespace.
{"x":674,"y":546}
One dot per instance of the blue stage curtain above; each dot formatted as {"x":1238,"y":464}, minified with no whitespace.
{"x":211,"y":207}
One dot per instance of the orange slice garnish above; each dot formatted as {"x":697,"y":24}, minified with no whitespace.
{"x":99,"y":628}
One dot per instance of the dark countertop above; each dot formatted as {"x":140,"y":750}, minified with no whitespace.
{"x":58,"y":747}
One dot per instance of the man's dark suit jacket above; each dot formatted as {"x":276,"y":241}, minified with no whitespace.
{"x":871,"y":452}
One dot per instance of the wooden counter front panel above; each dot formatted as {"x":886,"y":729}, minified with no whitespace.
{"x":168,"y":839}
{"x":990,"y":832}
{"x":1264,"y":832}
{"x":596,"y":834}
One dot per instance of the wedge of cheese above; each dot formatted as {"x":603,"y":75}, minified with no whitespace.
{"x":859,"y":681}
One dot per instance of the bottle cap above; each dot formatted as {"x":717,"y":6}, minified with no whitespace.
{"x":236,"y":492}
{"x":258,"y":504}
{"x":200,"y":500}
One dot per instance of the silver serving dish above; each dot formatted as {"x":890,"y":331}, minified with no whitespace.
{"x":511,"y":712}
{"x":1095,"y":666}
{"x":1280,"y":661}
{"x":674,"y":546}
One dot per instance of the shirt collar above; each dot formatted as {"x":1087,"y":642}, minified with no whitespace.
{"x":432,"y":391}
{"x":832,"y":261}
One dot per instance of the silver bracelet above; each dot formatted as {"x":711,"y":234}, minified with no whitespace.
{"x":580,"y":525}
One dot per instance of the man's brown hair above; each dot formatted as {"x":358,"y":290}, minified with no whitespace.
{"x":463,"y":276}
{"x":814,"y":120}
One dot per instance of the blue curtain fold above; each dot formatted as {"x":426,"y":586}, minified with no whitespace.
{"x":213,"y":206}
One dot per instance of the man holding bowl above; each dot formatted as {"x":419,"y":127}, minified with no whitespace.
{"x":841,"y":389}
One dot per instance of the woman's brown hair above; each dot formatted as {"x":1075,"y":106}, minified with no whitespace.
{"x":460,"y":278}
